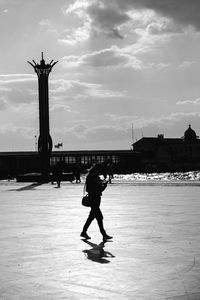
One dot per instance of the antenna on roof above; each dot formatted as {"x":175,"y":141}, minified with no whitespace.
{"x":132,"y":132}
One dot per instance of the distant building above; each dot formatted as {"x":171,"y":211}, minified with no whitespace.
{"x":149,"y":154}
{"x":169,"y":154}
{"x":13,"y":164}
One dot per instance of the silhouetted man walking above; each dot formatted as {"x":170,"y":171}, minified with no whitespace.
{"x":95,"y":186}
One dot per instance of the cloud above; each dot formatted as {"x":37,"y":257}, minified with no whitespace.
{"x":180,"y":11}
{"x":116,"y":18}
{"x":147,"y":29}
{"x":162,"y":26}
{"x":106,"y":133}
{"x":75,"y":89}
{"x":118,"y":131}
{"x":93,"y":134}
{"x":16,"y":78}
{"x":107,"y":19}
{"x":78,"y":33}
{"x":142,"y":27}
{"x":128,"y":56}
{"x":186,"y":64}
{"x":78,"y":6}
{"x":120,"y":118}
{"x":17,"y":89}
{"x":116,"y":33}
{"x":17,"y":131}
{"x":175,"y":117}
{"x":143,"y":122}
{"x":111,"y":19}
{"x":110,"y":57}
{"x":48,"y":25}
{"x":97,"y":18}
{"x":57,"y":108}
{"x":120,"y":128}
{"x":3,"y":103}
{"x":185,"y":102}
{"x":72,"y":37}
{"x":20,"y":96}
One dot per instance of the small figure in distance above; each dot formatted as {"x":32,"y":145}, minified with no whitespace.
{"x":77,"y":173}
{"x":57,"y":173}
{"x":110,"y":172}
{"x":104,"y":170}
{"x":107,"y":170}
{"x":94,"y":187}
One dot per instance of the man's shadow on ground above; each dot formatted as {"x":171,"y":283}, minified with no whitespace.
{"x":97,"y":253}
{"x":28,"y":187}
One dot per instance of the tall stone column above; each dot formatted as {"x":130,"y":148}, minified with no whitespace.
{"x":44,"y":141}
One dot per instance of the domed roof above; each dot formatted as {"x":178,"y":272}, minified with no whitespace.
{"x":190,"y":134}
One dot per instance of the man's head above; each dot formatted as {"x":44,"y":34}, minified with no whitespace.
{"x":97,"y":169}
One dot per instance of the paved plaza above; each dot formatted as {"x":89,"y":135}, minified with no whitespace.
{"x":155,"y":252}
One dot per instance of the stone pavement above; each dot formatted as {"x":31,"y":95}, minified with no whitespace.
{"x":155,"y":252}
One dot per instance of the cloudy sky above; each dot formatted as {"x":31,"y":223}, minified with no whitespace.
{"x":123,"y":64}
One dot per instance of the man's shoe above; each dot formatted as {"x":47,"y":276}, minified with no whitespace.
{"x":85,"y":236}
{"x":107,"y":237}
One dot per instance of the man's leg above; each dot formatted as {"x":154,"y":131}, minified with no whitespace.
{"x":86,"y":226}
{"x":99,"y":218}
{"x":101,"y":227}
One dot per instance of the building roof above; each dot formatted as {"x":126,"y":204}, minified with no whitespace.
{"x":70,"y":152}
{"x":157,"y":140}
{"x":165,"y":141}
{"x":189,"y":136}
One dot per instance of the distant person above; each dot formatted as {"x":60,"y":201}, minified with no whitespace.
{"x":94,"y":187}
{"x":104,"y":170}
{"x":77,"y":173}
{"x":57,"y":173}
{"x":107,"y":170}
{"x":110,"y":172}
